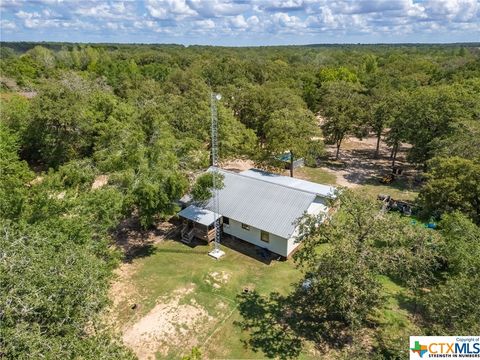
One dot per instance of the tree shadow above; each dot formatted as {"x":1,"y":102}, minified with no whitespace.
{"x":279,"y":325}
{"x":267,"y":321}
{"x":408,"y":303}
{"x":136,"y":252}
{"x":137,"y":242}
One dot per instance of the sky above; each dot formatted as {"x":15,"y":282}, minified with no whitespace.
{"x":241,"y":22}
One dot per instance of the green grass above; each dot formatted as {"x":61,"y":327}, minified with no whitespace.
{"x":395,"y":192}
{"x":175,"y":266}
{"x":317,"y":175}
{"x":395,"y":320}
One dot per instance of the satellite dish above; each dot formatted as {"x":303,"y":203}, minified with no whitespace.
{"x":218,"y":96}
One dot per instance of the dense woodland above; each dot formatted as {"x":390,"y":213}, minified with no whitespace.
{"x":140,"y":115}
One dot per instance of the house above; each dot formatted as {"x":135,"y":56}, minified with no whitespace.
{"x":260,"y":208}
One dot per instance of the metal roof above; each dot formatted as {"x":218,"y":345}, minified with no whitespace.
{"x":199,"y":215}
{"x":262,"y":204}
{"x":299,"y":184}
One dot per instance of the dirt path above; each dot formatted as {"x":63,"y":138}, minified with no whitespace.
{"x":237,"y":165}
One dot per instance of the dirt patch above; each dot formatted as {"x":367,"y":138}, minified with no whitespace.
{"x":237,"y":165}
{"x":168,"y":325}
{"x":217,"y":278}
{"x":100,"y":181}
{"x":342,"y":178}
{"x":138,"y":242}
{"x":122,"y":288}
{"x":358,"y":166}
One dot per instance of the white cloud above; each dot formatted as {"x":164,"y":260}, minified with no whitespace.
{"x":287,"y":21}
{"x":205,"y":24}
{"x":453,"y":10}
{"x":239,"y":22}
{"x":168,"y":9}
{"x":7,"y":25}
{"x":113,"y":11}
{"x":13,"y":4}
{"x":217,"y":8}
{"x":256,"y":18}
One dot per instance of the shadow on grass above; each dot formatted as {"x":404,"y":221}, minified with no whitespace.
{"x":249,"y":250}
{"x":181,"y":251}
{"x":278,"y":325}
{"x":137,"y":252}
{"x":401,"y":183}
{"x":408,"y":303}
{"x":268,"y":323}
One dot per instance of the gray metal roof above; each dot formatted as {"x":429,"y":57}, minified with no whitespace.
{"x":199,"y":215}
{"x":319,"y":189}
{"x":265,"y":205}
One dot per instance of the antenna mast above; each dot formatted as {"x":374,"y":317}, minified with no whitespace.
{"x":216,"y":252}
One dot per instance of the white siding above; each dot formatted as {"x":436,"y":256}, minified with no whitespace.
{"x":277,"y":244}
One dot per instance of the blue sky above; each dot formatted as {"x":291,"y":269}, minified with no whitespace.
{"x":241,"y":22}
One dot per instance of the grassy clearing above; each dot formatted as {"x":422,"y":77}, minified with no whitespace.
{"x":396,"y":192}
{"x":317,"y":175}
{"x":174,"y":266}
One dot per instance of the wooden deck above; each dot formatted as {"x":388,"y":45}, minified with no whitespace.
{"x":192,"y":229}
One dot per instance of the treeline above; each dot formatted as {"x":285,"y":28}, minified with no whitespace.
{"x":138,"y":116}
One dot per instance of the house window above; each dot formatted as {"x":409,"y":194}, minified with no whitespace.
{"x":226,"y":220}
{"x":265,"y":236}
{"x":245,"y":227}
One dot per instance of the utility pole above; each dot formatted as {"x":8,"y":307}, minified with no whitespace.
{"x":216,"y":252}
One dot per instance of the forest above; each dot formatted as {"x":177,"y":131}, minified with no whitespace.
{"x":138,"y":117}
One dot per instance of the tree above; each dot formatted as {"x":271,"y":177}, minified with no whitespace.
{"x":461,"y":249}
{"x":430,"y":114}
{"x":452,"y":184}
{"x":53,"y":288}
{"x":202,"y":189}
{"x":386,"y":243}
{"x":384,"y":114}
{"x":343,"y":288}
{"x":453,"y":307}
{"x":463,"y":142}
{"x":43,"y":57}
{"x":342,"y":106}
{"x":290,"y":130}
{"x":65,"y":117}
{"x":396,"y":135}
{"x":14,"y":176}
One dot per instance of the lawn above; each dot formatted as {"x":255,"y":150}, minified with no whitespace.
{"x":172,"y":266}
{"x":317,"y":175}
{"x":395,"y":191}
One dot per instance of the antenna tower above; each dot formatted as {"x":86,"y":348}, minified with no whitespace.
{"x":216,"y":252}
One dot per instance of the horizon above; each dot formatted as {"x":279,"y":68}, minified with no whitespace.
{"x":40,"y":42}
{"x":242,"y":23}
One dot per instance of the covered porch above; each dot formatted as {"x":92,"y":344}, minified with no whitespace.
{"x":198,"y":223}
